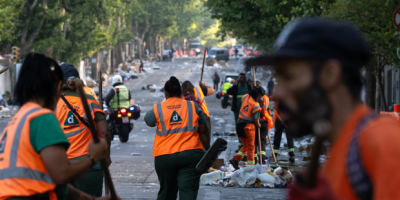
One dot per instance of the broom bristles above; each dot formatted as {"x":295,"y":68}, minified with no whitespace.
{"x":211,"y":155}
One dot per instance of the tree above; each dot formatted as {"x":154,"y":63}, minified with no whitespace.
{"x":374,"y":18}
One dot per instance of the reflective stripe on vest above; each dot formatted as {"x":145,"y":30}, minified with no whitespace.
{"x":22,"y":172}
{"x":123,"y":97}
{"x":199,"y":95}
{"x":164,"y":131}
{"x":252,"y":107}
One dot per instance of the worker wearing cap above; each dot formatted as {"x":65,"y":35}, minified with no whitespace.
{"x":73,"y":119}
{"x":318,"y":66}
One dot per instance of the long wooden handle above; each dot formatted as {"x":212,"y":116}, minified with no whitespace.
{"x":3,"y":70}
{"x":106,"y":188}
{"x":259,"y":145}
{"x":272,"y":148}
{"x":107,"y":175}
{"x":202,"y":69}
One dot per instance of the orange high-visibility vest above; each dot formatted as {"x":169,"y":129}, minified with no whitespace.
{"x":249,"y":107}
{"x":267,"y":116}
{"x":22,"y":170}
{"x":177,"y":127}
{"x":90,"y":91}
{"x":276,"y":110}
{"x":197,"y":91}
{"x":77,"y":133}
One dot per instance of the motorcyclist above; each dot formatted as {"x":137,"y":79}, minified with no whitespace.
{"x":124,"y":94}
{"x":227,"y":85}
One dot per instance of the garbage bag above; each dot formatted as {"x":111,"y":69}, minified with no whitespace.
{"x":266,"y":179}
{"x":246,"y":175}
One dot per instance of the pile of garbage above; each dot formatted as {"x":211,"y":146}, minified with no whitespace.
{"x":250,"y":176}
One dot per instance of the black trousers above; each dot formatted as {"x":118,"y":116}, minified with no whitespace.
{"x":215,"y":86}
{"x":279,"y":127}
{"x":263,"y":135}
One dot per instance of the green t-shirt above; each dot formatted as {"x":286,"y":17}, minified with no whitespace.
{"x":151,"y":119}
{"x":45,"y":131}
{"x":98,"y":116}
{"x":256,"y":115}
{"x":242,"y":90}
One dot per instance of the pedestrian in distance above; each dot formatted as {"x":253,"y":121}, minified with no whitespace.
{"x":72,"y":118}
{"x":270,"y":87}
{"x":247,"y":124}
{"x":236,"y":52}
{"x":199,"y":93}
{"x":237,"y":91}
{"x":33,"y":146}
{"x":179,"y":144}
{"x":216,"y":81}
{"x":318,"y":67}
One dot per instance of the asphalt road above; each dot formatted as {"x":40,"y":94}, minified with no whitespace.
{"x":132,"y":167}
{"x":134,"y":176}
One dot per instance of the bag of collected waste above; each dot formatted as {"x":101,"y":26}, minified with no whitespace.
{"x":210,"y":177}
{"x":266,"y":179}
{"x":211,"y":62}
{"x":246,"y":175}
{"x":287,"y":175}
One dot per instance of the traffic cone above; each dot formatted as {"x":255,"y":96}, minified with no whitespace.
{"x":191,"y":53}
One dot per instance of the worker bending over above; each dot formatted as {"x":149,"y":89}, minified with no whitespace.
{"x":247,"y":124}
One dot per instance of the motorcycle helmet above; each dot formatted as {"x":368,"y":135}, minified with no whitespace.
{"x":116,"y":79}
{"x":229,"y":79}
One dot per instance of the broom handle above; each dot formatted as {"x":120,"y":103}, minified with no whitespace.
{"x":3,"y":70}
{"x":259,"y":132}
{"x":287,"y":128}
{"x":202,"y":69}
{"x":93,"y":131}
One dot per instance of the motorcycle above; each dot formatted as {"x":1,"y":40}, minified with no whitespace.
{"x":119,"y":120}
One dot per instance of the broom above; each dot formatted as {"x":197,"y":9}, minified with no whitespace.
{"x":211,"y":155}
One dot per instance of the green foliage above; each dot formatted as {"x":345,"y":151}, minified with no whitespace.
{"x":374,"y":18}
{"x":259,"y":22}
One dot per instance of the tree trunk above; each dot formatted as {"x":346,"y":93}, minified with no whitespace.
{"x":382,"y":90}
{"x":370,"y":84}
{"x":95,"y":61}
{"x":106,"y":68}
{"x":377,"y":97}
{"x":118,"y":53}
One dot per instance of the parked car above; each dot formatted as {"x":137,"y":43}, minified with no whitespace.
{"x":218,"y":54}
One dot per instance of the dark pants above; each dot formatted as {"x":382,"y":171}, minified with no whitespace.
{"x":263,"y":135}
{"x":91,"y":182}
{"x":177,"y":172}
{"x":215,"y":86}
{"x":279,"y":127}
{"x":240,"y":144}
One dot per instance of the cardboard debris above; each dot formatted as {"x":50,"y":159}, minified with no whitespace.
{"x":211,"y":62}
{"x":218,"y":163}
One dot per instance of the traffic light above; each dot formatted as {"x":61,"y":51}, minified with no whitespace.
{"x":15,"y":53}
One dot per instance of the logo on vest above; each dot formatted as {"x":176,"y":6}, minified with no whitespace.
{"x":175,"y":117}
{"x":246,"y":108}
{"x":71,"y":119}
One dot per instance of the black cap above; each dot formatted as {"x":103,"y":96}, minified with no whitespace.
{"x":320,"y":39}
{"x":69,"y":70}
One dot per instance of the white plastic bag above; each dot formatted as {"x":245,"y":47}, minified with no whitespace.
{"x":266,"y":179}
{"x":245,"y":175}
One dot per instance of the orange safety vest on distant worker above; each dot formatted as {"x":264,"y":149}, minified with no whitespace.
{"x":249,"y":107}
{"x":77,"y":133}
{"x":177,"y":127}
{"x":267,"y":115}
{"x":90,"y":91}
{"x":197,"y":90}
{"x":22,"y":170}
